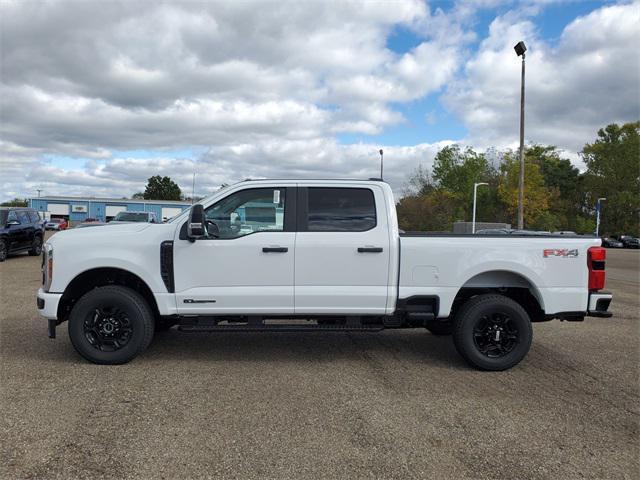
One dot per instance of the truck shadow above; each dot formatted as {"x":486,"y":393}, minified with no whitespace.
{"x":409,"y":346}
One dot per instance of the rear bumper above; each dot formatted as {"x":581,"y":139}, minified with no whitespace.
{"x":599,"y":304}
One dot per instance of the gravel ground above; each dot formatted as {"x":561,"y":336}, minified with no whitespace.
{"x":397,"y":404}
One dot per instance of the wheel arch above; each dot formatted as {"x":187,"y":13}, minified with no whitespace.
{"x":511,"y":284}
{"x":100,"y":277}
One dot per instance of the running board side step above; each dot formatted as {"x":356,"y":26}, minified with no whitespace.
{"x":278,"y":328}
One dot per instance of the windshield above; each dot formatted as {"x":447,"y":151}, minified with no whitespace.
{"x":131,"y":217}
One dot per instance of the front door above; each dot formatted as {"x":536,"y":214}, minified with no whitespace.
{"x":245,"y":265}
{"x":342,"y":251}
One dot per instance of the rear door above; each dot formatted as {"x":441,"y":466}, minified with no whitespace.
{"x":342,"y":250}
{"x":28,"y":228}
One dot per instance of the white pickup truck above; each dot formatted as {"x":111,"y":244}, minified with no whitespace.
{"x":327,"y":255}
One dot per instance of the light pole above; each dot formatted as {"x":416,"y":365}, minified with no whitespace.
{"x":381,"y":162}
{"x":475,"y":194}
{"x":598,"y":207}
{"x":520,"y":48}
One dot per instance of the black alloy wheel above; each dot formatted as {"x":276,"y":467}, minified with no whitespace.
{"x":111,"y":325}
{"x":495,"y":335}
{"x":492,"y":332}
{"x":107,"y":328}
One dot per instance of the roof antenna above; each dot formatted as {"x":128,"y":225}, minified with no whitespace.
{"x":381,"y":162}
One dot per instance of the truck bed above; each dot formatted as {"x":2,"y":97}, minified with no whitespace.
{"x":553,"y":267}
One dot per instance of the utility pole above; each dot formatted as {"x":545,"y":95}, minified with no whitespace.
{"x":381,"y":163}
{"x":38,"y":190}
{"x":520,"y":48}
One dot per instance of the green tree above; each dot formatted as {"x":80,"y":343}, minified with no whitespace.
{"x":162,"y":188}
{"x":456,"y":171}
{"x":434,"y":211}
{"x":613,"y":172}
{"x":16,"y":202}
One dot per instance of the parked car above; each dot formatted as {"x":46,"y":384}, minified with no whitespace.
{"x":610,"y":242}
{"x":56,"y":224}
{"x":20,"y":230}
{"x":324,"y":254}
{"x":135,"y":217}
{"x":631,"y":242}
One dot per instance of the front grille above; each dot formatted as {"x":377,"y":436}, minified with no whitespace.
{"x":166,"y":265}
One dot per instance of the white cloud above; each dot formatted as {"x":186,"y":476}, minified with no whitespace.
{"x":591,"y":78}
{"x":265,"y":87}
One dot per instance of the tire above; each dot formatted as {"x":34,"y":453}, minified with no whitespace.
{"x":492,"y":332}
{"x":128,"y":317}
{"x":36,"y":247}
{"x":3,"y":251}
{"x":439,"y":327}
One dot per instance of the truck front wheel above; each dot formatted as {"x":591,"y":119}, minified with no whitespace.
{"x":492,"y":332}
{"x":111,"y":325}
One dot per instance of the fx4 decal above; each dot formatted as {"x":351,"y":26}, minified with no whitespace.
{"x":554,"y":252}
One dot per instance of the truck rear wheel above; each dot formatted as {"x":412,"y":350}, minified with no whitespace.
{"x":111,"y":325}
{"x":492,"y":332}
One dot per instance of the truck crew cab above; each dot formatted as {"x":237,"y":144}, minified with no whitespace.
{"x":283,"y":255}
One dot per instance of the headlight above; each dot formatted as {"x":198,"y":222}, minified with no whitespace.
{"x":47,"y":266}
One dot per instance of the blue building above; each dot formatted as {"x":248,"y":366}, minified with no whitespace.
{"x":77,"y":209}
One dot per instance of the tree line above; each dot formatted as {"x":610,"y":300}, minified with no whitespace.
{"x":557,"y":195}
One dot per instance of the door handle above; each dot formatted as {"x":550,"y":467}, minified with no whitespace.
{"x":275,"y":249}
{"x":369,"y":249}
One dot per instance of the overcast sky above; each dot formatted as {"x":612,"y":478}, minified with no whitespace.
{"x":96,"y":97}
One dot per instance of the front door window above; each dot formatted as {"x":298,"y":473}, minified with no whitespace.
{"x":246,"y":212}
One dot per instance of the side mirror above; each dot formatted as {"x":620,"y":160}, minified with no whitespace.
{"x":196,"y":226}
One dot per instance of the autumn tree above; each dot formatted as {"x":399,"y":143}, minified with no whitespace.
{"x":434,"y":211}
{"x":536,"y":195}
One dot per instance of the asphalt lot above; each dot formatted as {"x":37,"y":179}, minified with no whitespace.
{"x":397,"y":404}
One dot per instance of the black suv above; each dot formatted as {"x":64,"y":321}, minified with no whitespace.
{"x":20,"y":229}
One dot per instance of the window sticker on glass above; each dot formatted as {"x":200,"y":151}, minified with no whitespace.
{"x":276,"y":196}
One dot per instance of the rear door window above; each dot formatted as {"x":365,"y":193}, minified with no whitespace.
{"x":341,"y":210}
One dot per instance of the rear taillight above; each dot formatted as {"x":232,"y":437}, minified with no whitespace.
{"x":595,"y":261}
